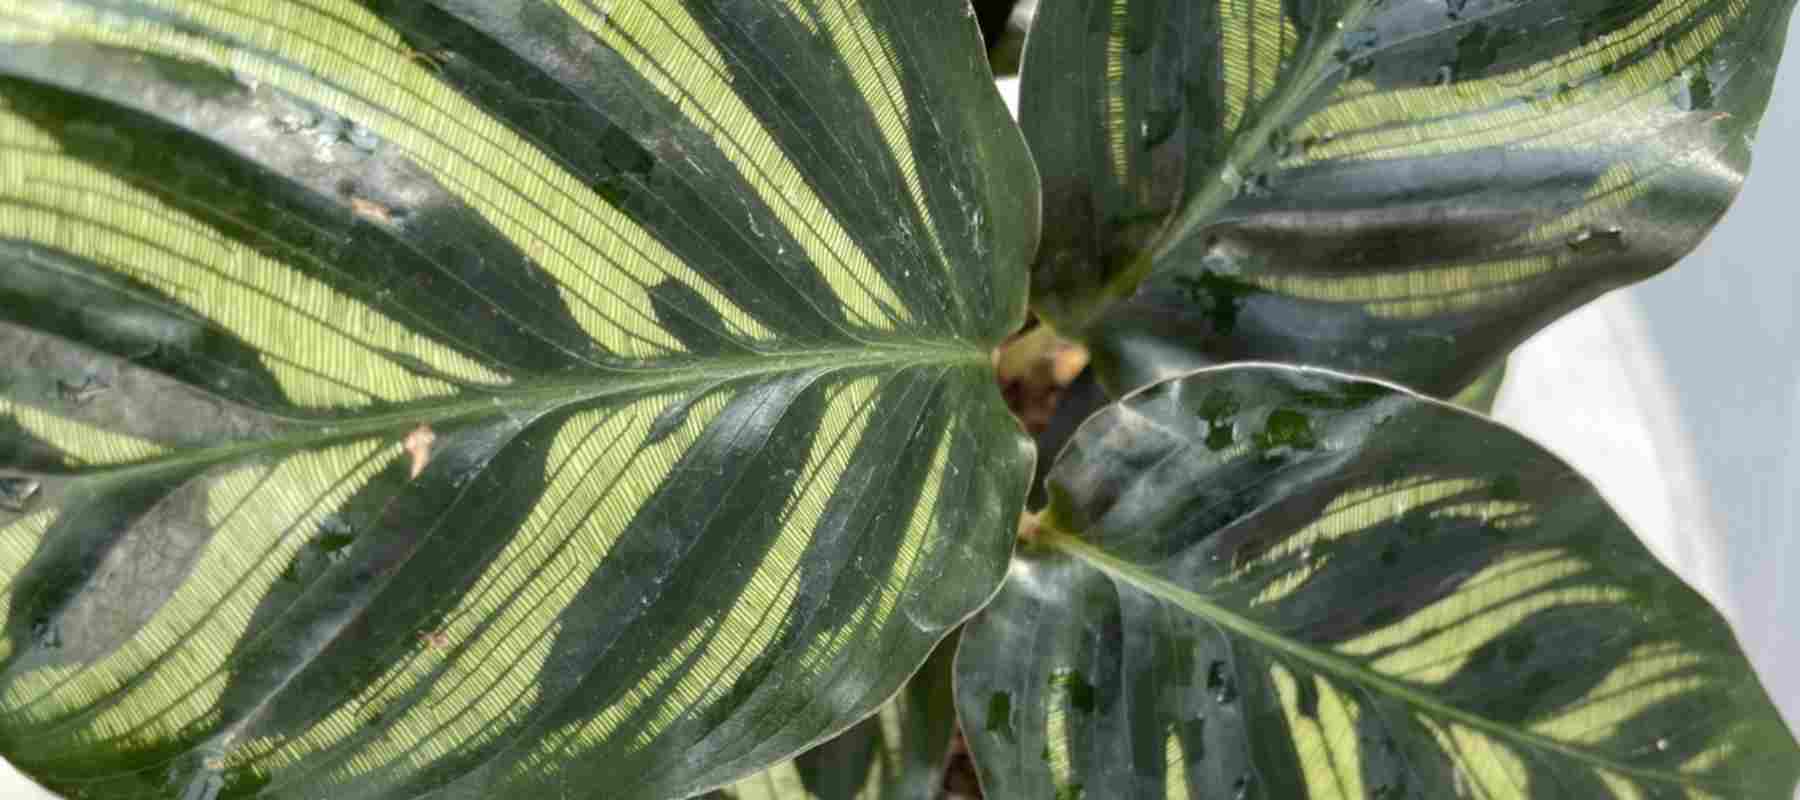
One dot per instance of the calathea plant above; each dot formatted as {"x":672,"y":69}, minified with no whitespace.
{"x":577,"y":398}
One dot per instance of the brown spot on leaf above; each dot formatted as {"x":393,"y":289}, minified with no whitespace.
{"x":372,"y":211}
{"x":418,"y":445}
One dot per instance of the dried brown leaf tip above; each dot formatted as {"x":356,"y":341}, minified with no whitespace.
{"x":418,"y":445}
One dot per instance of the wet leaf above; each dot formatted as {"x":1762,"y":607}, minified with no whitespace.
{"x":1418,"y":603}
{"x":898,"y":754}
{"x":478,"y":399}
{"x":1399,"y":188}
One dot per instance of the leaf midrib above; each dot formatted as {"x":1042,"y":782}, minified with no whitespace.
{"x":1324,"y":660}
{"x":470,"y":404}
{"x":1246,"y":148}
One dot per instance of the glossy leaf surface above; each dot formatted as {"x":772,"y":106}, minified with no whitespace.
{"x":898,"y":754}
{"x":1400,"y":188}
{"x":1481,"y":395}
{"x":491,"y":399}
{"x":1268,"y":582}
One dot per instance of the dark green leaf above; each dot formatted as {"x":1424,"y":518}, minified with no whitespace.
{"x":898,"y":754}
{"x":478,"y":399}
{"x":1402,"y":188}
{"x":1354,"y":593}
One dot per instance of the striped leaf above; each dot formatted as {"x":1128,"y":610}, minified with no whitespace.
{"x":1271,"y":582}
{"x":898,"y":754}
{"x":490,"y":398}
{"x":1402,"y":188}
{"x":1480,"y":395}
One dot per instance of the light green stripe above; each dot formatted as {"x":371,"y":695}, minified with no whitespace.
{"x":1325,"y":661}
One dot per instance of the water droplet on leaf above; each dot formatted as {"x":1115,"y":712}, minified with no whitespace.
{"x":335,"y":534}
{"x":1241,"y":788}
{"x":1694,"y":91}
{"x":80,"y":393}
{"x":1075,"y":687}
{"x":296,"y":120}
{"x":46,"y":634}
{"x":1219,"y":682}
{"x":1257,"y":185}
{"x":999,"y":715}
{"x":18,"y":493}
{"x":1594,"y":240}
{"x":1286,"y":427}
{"x":1361,"y":39}
{"x":361,"y":138}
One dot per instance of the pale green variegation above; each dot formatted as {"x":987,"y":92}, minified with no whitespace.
{"x":491,"y":398}
{"x":898,"y":754}
{"x":1399,"y":188}
{"x":593,"y":398}
{"x":1268,"y":582}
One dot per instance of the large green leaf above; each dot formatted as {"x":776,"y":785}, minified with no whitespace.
{"x":1403,"y":188}
{"x":898,"y":754}
{"x":482,"y":399}
{"x":1269,"y":582}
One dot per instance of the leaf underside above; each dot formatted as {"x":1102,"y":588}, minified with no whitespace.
{"x":1271,"y":582}
{"x":1400,"y":188}
{"x":476,"y":399}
